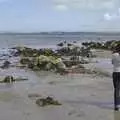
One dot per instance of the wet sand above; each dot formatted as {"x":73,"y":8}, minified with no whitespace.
{"x":83,"y":96}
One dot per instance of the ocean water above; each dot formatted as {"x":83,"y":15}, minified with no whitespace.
{"x":50,"y":40}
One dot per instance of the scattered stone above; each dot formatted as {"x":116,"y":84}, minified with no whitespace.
{"x":6,"y":65}
{"x":34,"y":95}
{"x":46,"y":102}
{"x":51,"y":82}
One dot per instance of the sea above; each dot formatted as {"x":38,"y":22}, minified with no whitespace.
{"x":49,"y":40}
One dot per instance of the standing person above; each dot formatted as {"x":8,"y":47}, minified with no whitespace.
{"x":116,"y":77}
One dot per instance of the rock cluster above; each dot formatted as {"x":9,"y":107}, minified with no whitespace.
{"x":108,"y":45}
{"x":49,"y":60}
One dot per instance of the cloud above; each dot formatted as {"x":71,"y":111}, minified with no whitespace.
{"x":114,"y":16}
{"x":107,"y":16}
{"x":89,"y":4}
{"x":61,"y":7}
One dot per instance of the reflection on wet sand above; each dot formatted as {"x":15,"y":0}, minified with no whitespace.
{"x":117,"y":115}
{"x":105,"y":105}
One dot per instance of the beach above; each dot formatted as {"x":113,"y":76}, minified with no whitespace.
{"x":83,"y":96}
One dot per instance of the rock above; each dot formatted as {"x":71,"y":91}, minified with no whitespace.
{"x":84,"y":61}
{"x":34,"y":95}
{"x":47,"y":101}
{"x":29,"y":52}
{"x":108,"y":45}
{"x":11,"y":79}
{"x":25,"y":61}
{"x":49,"y":66}
{"x":61,"y":65}
{"x":60,"y":44}
{"x":74,"y":50}
{"x":43,"y":62}
{"x":5,"y":65}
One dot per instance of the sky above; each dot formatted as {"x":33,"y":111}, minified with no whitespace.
{"x":59,"y":15}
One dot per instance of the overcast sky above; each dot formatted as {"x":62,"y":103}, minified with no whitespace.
{"x":59,"y":15}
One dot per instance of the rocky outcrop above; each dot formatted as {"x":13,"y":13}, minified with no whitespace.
{"x":43,"y":62}
{"x":49,"y":60}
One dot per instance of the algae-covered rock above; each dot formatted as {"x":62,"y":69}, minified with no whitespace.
{"x":27,"y":52}
{"x":30,"y":52}
{"x":49,"y":63}
{"x":42,"y":59}
{"x":47,"y":101}
{"x":43,"y":62}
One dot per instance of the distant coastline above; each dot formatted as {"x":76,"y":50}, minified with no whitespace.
{"x":60,"y":33}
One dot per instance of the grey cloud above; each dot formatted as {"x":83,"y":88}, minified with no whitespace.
{"x":113,"y":16}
